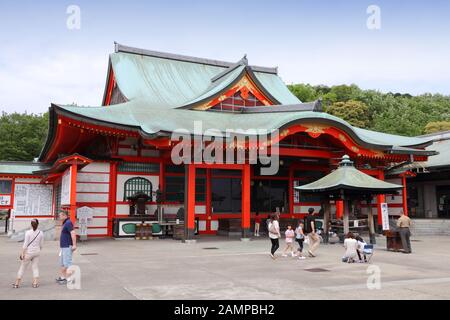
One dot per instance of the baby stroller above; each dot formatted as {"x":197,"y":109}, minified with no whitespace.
{"x":367,"y":251}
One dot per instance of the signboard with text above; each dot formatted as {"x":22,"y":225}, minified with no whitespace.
{"x":5,"y":200}
{"x":385,"y":216}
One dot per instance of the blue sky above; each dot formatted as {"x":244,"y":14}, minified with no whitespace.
{"x":317,"y":42}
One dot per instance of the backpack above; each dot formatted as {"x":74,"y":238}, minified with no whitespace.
{"x":272,"y":228}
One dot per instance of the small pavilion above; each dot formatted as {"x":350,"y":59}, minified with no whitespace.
{"x":348,"y":184}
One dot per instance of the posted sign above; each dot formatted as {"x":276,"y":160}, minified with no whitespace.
{"x":385,"y":216}
{"x":5,"y":200}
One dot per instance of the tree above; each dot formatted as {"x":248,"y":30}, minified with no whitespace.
{"x":304,"y":92}
{"x":22,"y":136}
{"x":437,"y":126}
{"x":354,"y":112}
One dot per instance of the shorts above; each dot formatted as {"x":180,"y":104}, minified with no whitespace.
{"x":66,"y":257}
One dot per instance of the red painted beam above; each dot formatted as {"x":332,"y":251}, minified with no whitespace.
{"x":305,"y":153}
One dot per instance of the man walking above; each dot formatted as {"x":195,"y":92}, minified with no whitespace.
{"x":310,"y":229}
{"x":403,"y":224}
{"x":68,"y":244}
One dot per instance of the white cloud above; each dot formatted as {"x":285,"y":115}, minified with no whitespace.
{"x":31,"y":84}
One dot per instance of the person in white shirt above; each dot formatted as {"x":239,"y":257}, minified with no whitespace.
{"x":351,"y":247}
{"x":361,"y":245}
{"x":290,"y":235}
{"x":274,"y":234}
{"x":32,"y":246}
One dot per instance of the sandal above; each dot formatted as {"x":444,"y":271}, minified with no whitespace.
{"x":35,"y":285}
{"x":15,"y":286}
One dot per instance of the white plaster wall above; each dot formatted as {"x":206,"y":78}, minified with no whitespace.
{"x":96,"y":167}
{"x":92,"y":177}
{"x":92,"y":187}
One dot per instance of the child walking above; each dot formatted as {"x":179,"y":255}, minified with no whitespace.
{"x":257,"y":224}
{"x":290,"y":235}
{"x":300,"y":238}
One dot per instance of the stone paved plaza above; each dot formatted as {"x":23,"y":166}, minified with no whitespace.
{"x":220,"y":268}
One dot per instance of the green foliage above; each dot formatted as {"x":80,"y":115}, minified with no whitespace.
{"x":22,"y":136}
{"x":437,"y":126}
{"x":354,"y":112}
{"x":395,"y":113}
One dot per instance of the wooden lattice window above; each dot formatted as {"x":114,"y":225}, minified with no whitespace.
{"x":137,"y":185}
{"x":237,"y":102}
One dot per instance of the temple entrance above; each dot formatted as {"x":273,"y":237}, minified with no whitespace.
{"x":443,"y":201}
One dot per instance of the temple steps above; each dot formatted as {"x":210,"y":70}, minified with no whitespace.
{"x":430,"y":227}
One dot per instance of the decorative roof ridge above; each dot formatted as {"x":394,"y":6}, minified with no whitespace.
{"x":242,"y":62}
{"x":315,"y":106}
{"x":178,"y":57}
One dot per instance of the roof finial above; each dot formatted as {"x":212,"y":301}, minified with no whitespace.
{"x":244,"y":60}
{"x":346,"y":162}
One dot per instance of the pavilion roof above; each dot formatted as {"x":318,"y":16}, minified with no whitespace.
{"x":348,"y":179}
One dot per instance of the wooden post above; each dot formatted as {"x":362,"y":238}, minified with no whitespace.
{"x":346,"y":217}
{"x":339,"y":208}
{"x":370,"y":221}
{"x":326,"y":218}
{"x":404,"y":196}
{"x":380,"y":199}
{"x":189,"y":200}
{"x":73,"y":194}
{"x":245,"y":222}
{"x":112,"y":197}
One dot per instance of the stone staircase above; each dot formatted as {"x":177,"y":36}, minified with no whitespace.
{"x":47,"y":226}
{"x":430,"y":227}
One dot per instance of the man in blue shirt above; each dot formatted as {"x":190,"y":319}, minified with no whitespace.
{"x":68,"y":244}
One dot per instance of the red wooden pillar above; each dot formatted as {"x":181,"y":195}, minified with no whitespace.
{"x":245,"y":201}
{"x":381,"y":198}
{"x":161,"y":177}
{"x":208,"y":200}
{"x":404,"y":196}
{"x":73,"y":193}
{"x":112,"y":197}
{"x":189,"y":195}
{"x":339,"y":208}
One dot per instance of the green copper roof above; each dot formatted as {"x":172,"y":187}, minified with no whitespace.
{"x":347,"y":177}
{"x":173,"y":83}
{"x":160,"y":88}
{"x":18,"y":167}
{"x":138,"y":115}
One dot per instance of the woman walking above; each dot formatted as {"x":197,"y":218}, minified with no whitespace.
{"x":274,"y":234}
{"x":32,"y":246}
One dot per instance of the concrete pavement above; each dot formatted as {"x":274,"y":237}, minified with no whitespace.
{"x":219,"y":268}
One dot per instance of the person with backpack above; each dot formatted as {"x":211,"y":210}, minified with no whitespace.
{"x":31,"y":249}
{"x":274,"y":234}
{"x":311,"y":232}
{"x":300,"y":238}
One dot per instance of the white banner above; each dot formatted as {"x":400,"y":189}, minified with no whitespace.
{"x":385,"y":215}
{"x":65,"y":187}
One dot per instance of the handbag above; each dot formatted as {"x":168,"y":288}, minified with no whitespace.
{"x":20,"y":256}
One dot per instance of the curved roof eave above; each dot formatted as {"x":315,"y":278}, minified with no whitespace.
{"x":156,"y":127}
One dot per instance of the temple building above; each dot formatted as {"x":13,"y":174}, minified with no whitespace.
{"x":117,"y":159}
